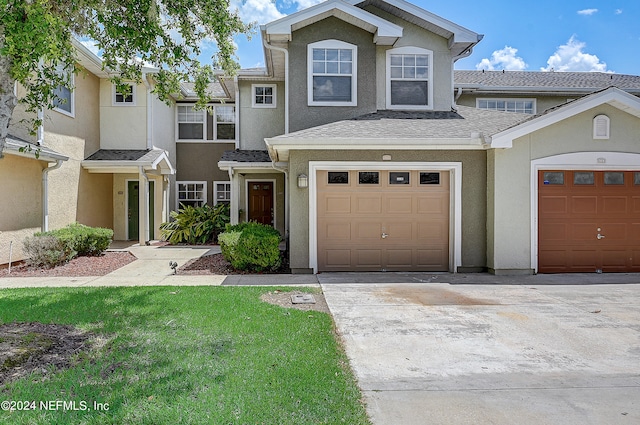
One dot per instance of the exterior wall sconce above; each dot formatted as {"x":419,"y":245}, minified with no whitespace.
{"x":303,"y":181}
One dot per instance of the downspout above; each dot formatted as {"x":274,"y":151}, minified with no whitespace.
{"x":286,"y":81}
{"x":237,"y":109}
{"x":144,"y":210}
{"x":462,"y":55}
{"x":147,"y":84}
{"x":40,"y":131}
{"x":45,"y":194}
{"x":233,"y":204}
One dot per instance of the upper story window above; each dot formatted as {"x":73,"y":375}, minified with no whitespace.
{"x":264,"y":95}
{"x":409,"y":78}
{"x":65,"y":100}
{"x":331,"y":73}
{"x":124,"y":99}
{"x":217,"y":123}
{"x":523,"y":106}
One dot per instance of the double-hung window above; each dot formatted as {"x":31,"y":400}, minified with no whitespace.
{"x":216,"y":123}
{"x":409,"y":78}
{"x":192,"y":193}
{"x":222,"y":192}
{"x":331,"y":73}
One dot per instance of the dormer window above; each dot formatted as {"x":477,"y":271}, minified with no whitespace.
{"x":331,"y":73}
{"x":409,"y":78}
{"x":124,"y":99}
{"x":601,"y":127}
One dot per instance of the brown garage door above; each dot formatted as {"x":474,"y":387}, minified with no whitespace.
{"x":589,"y":221}
{"x":383,"y":220}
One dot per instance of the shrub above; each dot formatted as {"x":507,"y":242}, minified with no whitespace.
{"x":47,"y":251}
{"x":84,"y":240}
{"x":195,"y":225}
{"x":50,"y":249}
{"x":251,"y":246}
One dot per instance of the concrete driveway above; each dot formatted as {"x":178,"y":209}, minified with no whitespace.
{"x":434,"y":353}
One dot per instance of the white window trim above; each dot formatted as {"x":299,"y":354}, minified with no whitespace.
{"x":114,"y":91}
{"x":215,"y":190}
{"x":455,"y":190}
{"x":72,"y":99}
{"x":263,"y":105}
{"x":333,"y":44}
{"x":505,"y":99}
{"x":409,"y":50}
{"x":204,"y":190}
{"x":599,"y":120}
{"x":204,"y":125}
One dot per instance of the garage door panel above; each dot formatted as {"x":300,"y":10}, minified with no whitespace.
{"x":554,"y":231}
{"x":368,"y":231}
{"x":614,"y":258}
{"x":554,"y":204}
{"x":399,"y":204}
{"x":398,"y":257}
{"x":398,"y":232}
{"x":431,"y":259}
{"x":584,"y":231}
{"x":436,"y":205}
{"x":369,"y":258}
{"x":432,"y":231}
{"x":334,"y":204}
{"x":337,"y":257}
{"x":554,"y":258}
{"x":615,"y":233}
{"x":336,"y":231}
{"x":583,"y":205}
{"x":367,"y":204}
{"x":635,"y":202}
{"x":614,"y":205}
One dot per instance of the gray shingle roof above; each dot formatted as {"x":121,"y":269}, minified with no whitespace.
{"x":589,"y":81}
{"x":239,"y":155}
{"x":415,"y":125}
{"x":117,"y":155}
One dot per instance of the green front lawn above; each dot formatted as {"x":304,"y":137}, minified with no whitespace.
{"x":185,"y":355}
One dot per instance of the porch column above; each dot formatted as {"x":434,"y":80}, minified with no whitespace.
{"x":143,"y":207}
{"x":235,"y":194}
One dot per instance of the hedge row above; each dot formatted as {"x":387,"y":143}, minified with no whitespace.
{"x":49,"y":249}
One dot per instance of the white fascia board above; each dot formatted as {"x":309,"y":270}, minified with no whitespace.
{"x":460,"y":34}
{"x":236,"y":165}
{"x":46,"y":156}
{"x":385,"y":30}
{"x":167,"y":168}
{"x":612,"y":96}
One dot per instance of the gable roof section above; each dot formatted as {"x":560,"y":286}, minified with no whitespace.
{"x":612,"y":96}
{"x":543,"y":82}
{"x":461,"y":40}
{"x":399,"y":130}
{"x":385,"y":32}
{"x":128,"y":161}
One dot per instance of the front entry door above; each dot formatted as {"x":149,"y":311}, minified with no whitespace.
{"x":133,"y":209}
{"x":261,"y":202}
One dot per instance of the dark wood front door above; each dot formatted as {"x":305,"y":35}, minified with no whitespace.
{"x":261,"y":202}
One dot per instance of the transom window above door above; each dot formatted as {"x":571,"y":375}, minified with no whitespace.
{"x":409,"y":78}
{"x":331,"y":73}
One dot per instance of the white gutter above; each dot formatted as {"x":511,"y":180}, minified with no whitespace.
{"x":45,"y":194}
{"x":147,"y":84}
{"x":286,"y":81}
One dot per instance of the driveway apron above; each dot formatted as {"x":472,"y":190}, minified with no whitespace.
{"x":434,"y":353}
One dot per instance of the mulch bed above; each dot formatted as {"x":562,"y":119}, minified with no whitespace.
{"x":80,"y":266}
{"x":216,"y":264}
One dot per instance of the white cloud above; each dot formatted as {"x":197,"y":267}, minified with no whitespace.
{"x":260,"y":11}
{"x":618,"y":12}
{"x":587,"y":12}
{"x":570,"y":57}
{"x":503,"y":59}
{"x":303,"y":4}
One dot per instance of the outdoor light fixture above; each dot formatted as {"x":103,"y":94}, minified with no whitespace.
{"x":303,"y":181}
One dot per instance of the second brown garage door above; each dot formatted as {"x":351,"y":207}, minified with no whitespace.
{"x":589,"y":221}
{"x":383,"y":220}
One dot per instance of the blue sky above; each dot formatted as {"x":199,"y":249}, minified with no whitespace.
{"x":566,"y":35}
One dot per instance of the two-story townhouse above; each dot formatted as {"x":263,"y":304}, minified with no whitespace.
{"x":387,"y":167}
{"x":86,"y":163}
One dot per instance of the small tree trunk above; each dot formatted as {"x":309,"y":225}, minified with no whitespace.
{"x":8,"y":98}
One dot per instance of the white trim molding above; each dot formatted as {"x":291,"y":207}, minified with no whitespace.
{"x":353,"y":74}
{"x":455,"y":210}
{"x":114,"y":94}
{"x":587,"y":161}
{"x":409,"y":51}
{"x":265,"y":95}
